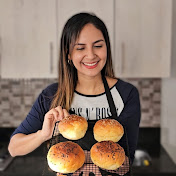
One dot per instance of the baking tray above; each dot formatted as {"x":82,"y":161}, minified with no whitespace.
{"x":86,"y":143}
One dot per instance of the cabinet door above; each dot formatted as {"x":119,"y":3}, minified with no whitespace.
{"x":28,"y":39}
{"x":102,"y":8}
{"x":143,"y":38}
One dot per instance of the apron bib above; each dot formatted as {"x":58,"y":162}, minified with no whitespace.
{"x":88,"y":140}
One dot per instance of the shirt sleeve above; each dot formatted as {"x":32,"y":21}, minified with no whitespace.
{"x":34,"y":120}
{"x":130,"y":119}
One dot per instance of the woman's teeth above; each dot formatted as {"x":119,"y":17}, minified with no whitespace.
{"x":92,"y":64}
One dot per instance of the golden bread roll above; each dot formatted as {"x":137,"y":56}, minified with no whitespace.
{"x":107,"y":155}
{"x":73,"y":127}
{"x":65,"y":157}
{"x":108,"y":130}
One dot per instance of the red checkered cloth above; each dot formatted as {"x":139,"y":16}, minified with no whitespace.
{"x":90,"y":167}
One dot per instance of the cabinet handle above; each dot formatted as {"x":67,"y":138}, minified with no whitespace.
{"x":123,"y":57}
{"x":51,"y":57}
{"x":0,"y":55}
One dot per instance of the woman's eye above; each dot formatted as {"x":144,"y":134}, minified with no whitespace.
{"x":80,"y":48}
{"x":98,"y":46}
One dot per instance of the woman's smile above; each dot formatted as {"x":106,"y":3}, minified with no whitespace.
{"x":90,"y":65}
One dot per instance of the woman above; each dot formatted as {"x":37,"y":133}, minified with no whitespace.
{"x":85,"y":57}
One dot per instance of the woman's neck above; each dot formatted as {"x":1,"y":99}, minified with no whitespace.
{"x":90,"y":85}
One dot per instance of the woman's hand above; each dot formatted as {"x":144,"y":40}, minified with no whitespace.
{"x":51,"y":117}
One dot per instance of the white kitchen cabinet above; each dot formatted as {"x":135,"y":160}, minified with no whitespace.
{"x":102,"y":8}
{"x":28,"y":38}
{"x":143,"y":38}
{"x":140,"y":35}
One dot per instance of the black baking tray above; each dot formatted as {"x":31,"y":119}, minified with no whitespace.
{"x":86,"y":143}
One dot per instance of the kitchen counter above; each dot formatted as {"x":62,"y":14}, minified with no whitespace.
{"x":160,"y":166}
{"x":34,"y":164}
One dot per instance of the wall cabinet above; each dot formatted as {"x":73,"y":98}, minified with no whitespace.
{"x":143,"y":38}
{"x":28,"y":39}
{"x":140,"y":35}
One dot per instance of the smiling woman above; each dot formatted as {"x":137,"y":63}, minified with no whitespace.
{"x":85,"y":54}
{"x":86,"y":87}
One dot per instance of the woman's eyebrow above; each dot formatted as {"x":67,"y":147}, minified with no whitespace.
{"x":79,"y":44}
{"x":98,"y":41}
{"x":93,"y":42}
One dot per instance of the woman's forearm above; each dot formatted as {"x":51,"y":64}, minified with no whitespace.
{"x":21,"y":144}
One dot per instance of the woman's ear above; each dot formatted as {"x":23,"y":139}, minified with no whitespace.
{"x":69,"y":57}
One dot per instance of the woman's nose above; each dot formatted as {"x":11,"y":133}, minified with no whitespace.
{"x":90,"y":53}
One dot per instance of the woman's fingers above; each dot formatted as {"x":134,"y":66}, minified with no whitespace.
{"x":51,"y":117}
{"x":53,"y":113}
{"x":58,"y":113}
{"x":65,"y":113}
{"x":61,"y":113}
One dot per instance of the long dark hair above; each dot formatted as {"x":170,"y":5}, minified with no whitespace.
{"x":67,"y":78}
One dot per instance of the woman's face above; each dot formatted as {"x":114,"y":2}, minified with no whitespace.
{"x":89,"y":52}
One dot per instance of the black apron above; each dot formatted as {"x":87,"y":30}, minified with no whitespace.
{"x":88,"y":140}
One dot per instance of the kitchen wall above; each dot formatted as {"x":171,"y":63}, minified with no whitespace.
{"x":168,"y":117}
{"x":17,"y":97}
{"x":168,"y":95}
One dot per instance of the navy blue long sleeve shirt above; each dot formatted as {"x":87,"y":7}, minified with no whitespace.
{"x":92,"y":107}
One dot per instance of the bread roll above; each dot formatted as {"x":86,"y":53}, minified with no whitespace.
{"x":73,"y":127}
{"x":107,"y":155}
{"x":65,"y":157}
{"x":108,"y":130}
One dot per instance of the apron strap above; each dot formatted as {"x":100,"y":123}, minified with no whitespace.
{"x":109,"y":98}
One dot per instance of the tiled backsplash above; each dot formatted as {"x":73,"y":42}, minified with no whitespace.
{"x":17,"y":97}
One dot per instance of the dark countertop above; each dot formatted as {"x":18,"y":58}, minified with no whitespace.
{"x":34,"y":164}
{"x":160,"y":166}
